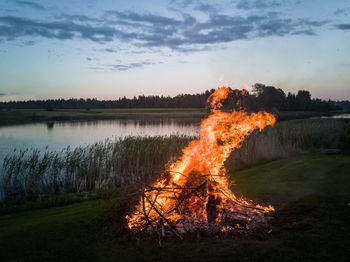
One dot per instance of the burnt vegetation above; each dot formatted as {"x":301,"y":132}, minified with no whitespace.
{"x":262,"y":97}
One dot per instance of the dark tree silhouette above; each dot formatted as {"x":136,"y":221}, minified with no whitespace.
{"x":262,"y":97}
{"x":303,"y":100}
{"x":269,"y":97}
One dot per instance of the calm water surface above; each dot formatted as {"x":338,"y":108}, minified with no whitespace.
{"x":337,"y":116}
{"x":58,"y":135}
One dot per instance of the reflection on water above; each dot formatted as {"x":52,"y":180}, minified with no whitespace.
{"x":341,"y":116}
{"x":344,"y":116}
{"x":168,"y":122}
{"x":50,"y":125}
{"x":58,"y":135}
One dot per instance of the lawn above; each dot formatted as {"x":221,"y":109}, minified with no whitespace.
{"x":311,"y":194}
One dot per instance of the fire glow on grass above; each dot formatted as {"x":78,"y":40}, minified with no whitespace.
{"x":193,"y":194}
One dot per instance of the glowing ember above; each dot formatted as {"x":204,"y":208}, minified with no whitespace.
{"x":193,"y":194}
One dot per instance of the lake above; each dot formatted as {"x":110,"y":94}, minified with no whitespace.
{"x":58,"y":135}
{"x":337,"y":116}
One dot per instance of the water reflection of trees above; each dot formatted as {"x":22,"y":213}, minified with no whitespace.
{"x":50,"y":125}
{"x":130,"y":122}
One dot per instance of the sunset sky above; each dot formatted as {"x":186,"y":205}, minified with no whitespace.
{"x":109,"y":48}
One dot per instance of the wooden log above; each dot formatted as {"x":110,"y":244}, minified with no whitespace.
{"x":146,"y":216}
{"x":185,"y":197}
{"x":174,"y":229}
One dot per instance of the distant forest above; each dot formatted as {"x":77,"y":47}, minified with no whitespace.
{"x":261,"y":97}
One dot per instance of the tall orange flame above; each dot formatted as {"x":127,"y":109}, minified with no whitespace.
{"x":201,"y":167}
{"x":216,"y":98}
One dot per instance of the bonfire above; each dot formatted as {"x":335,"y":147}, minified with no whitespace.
{"x":193,"y":194}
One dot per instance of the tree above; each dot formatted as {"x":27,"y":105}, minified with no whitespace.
{"x":303,"y":100}
{"x":49,"y":107}
{"x":269,"y":97}
{"x":291,"y":102}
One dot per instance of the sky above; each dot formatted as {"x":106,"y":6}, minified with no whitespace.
{"x":108,"y":49}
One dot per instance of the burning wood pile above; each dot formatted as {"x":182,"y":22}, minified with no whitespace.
{"x":194,"y":193}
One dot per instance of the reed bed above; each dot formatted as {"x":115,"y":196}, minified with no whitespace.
{"x":292,"y":138}
{"x":134,"y":160}
{"x":126,"y":160}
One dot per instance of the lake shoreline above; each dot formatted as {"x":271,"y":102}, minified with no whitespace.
{"x":30,"y":116}
{"x":22,"y":116}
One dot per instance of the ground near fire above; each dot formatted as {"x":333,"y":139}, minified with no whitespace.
{"x":246,"y":189}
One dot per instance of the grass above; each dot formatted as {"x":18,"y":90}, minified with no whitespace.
{"x":21,"y":116}
{"x":310,"y":193}
{"x":56,"y":234}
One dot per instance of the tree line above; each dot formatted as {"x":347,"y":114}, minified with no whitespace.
{"x":261,"y":97}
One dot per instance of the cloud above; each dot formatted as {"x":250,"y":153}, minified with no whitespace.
{"x":145,"y":18}
{"x":125,"y":67}
{"x":202,"y":6}
{"x":8,"y":10}
{"x":110,"y":50}
{"x":80,"y":18}
{"x":256,"y":4}
{"x":182,"y":3}
{"x":343,"y":26}
{"x":194,"y":49}
{"x":341,"y":11}
{"x":29,"y":43}
{"x":15,"y":27}
{"x":31,"y":4}
{"x":207,"y":8}
{"x":305,"y":32}
{"x":183,"y":33}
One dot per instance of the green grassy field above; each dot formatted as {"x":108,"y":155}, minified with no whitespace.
{"x":311,"y":194}
{"x":21,"y":116}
